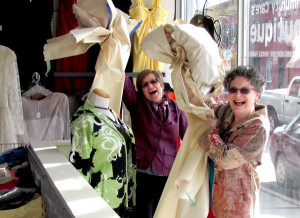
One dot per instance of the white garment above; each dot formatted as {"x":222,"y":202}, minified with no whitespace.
{"x":47,"y":119}
{"x":11,"y":115}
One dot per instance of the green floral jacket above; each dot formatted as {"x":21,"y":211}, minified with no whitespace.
{"x":103,"y":151}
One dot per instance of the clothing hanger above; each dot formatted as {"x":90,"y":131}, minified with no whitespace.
{"x":36,"y":91}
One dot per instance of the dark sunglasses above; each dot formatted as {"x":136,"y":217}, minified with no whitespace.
{"x":152,"y":82}
{"x":244,"y":91}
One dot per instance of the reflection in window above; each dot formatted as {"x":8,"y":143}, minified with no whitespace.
{"x":269,"y":70}
{"x":225,"y":12}
{"x":295,"y":132}
{"x":256,"y":63}
{"x":267,"y":34}
{"x":295,"y":89}
{"x":228,"y":34}
{"x":281,"y":72}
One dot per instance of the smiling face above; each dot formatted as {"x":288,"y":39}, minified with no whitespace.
{"x":242,"y":104}
{"x":152,"y":89}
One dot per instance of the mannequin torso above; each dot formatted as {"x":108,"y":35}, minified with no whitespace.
{"x":100,"y":139}
{"x":100,"y":99}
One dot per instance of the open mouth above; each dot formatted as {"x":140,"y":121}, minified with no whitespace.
{"x":152,"y":92}
{"x":239,"y":103}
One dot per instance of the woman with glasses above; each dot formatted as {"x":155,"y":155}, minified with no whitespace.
{"x":156,"y":123}
{"x":235,"y":142}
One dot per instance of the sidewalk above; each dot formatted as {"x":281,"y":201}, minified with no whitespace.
{"x":275,"y":202}
{"x":276,"y":205}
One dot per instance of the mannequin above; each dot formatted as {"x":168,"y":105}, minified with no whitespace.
{"x":100,"y":99}
{"x":103,"y":151}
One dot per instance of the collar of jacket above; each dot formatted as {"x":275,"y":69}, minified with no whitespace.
{"x":89,"y":108}
{"x":260,"y":113}
{"x":165,"y":97}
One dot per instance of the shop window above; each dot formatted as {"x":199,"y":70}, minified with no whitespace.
{"x":295,"y":89}
{"x":295,"y":132}
{"x":281,"y":72}
{"x":256,"y":63}
{"x":265,"y":42}
{"x":269,"y":70}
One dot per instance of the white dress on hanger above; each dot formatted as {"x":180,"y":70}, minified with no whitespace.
{"x":47,"y":119}
{"x":11,"y":115}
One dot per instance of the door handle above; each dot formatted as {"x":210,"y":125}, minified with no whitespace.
{"x":298,"y":102}
{"x":287,"y":101}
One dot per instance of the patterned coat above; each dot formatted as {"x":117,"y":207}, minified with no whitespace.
{"x":103,"y":151}
{"x":236,"y":183}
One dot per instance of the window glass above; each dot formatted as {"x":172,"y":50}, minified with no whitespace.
{"x":273,"y":24}
{"x":269,"y":70}
{"x":295,"y":132}
{"x":270,"y":27}
{"x":224,"y":15}
{"x":295,"y":88}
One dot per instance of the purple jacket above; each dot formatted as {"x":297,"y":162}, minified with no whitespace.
{"x":156,"y":141}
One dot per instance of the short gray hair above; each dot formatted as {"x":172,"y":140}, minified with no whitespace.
{"x":248,"y":72}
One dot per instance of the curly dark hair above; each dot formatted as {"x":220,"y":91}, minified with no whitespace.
{"x":140,"y":78}
{"x":248,"y":72}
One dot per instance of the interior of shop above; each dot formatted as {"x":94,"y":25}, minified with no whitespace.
{"x":68,"y":68}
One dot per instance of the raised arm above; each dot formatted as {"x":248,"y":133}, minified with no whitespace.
{"x":129,"y":94}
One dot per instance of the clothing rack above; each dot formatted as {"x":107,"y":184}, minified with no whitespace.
{"x":88,"y":74}
{"x":74,"y":74}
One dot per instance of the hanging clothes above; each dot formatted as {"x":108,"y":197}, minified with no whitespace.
{"x":103,"y":151}
{"x":152,"y":18}
{"x":46,"y":119}
{"x":11,"y":114}
{"x":70,"y":86}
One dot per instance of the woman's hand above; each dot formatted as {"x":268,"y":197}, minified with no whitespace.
{"x":211,"y":122}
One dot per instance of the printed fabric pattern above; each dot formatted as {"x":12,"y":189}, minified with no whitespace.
{"x":236,"y":182}
{"x":103,"y":151}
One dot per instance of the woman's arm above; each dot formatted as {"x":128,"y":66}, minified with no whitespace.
{"x":129,"y":94}
{"x":247,"y":145}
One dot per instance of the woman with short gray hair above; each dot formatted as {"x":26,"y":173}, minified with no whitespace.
{"x":235,"y":144}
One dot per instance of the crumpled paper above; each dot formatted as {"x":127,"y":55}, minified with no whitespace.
{"x":99,"y":22}
{"x":197,"y":73}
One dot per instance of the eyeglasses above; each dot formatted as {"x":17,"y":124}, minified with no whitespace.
{"x":152,"y":82}
{"x":244,"y":91}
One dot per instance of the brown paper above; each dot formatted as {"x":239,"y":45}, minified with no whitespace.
{"x":196,"y":68}
{"x":99,"y":22}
